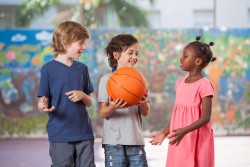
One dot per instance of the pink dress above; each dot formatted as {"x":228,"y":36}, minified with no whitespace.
{"x":196,"y":148}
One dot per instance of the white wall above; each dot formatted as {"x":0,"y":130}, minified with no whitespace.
{"x":174,"y":13}
{"x":180,"y":13}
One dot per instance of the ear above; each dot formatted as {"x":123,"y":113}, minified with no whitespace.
{"x":198,"y":61}
{"x":116,"y":55}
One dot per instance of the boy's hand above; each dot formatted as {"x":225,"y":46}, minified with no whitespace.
{"x":144,"y":98}
{"x":157,"y":138}
{"x":75,"y":95}
{"x":43,"y":105}
{"x":117,"y":104}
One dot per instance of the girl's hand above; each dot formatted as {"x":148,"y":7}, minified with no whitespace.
{"x":117,"y":104}
{"x":75,"y":95}
{"x":157,"y":138}
{"x":176,"y":136}
{"x":43,"y":105}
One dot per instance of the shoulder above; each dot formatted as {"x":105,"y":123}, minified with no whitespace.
{"x":106,"y":76}
{"x":104,"y":79}
{"x":206,"y":82}
{"x":81,"y":65}
{"x":48,"y":65}
{"x":180,"y":80}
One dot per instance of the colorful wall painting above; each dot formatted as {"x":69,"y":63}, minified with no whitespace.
{"x":23,"y":52}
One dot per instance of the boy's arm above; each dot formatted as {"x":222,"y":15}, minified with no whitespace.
{"x":144,"y":108}
{"x":106,"y":109}
{"x":43,"y":105}
{"x":87,"y":99}
{"x":144,"y":105}
{"x":76,"y":95}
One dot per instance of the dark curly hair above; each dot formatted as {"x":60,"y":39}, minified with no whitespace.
{"x":202,"y":50}
{"x":119,"y":43}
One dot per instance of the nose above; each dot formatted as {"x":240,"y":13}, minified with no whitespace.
{"x":135,"y":56}
{"x":84,"y":47}
{"x":181,"y":59}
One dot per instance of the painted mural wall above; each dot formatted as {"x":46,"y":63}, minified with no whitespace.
{"x":23,"y":52}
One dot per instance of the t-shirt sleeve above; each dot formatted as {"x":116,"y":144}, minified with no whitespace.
{"x":44,"y":84}
{"x":207,"y":89}
{"x":102,"y":93}
{"x":88,"y":87}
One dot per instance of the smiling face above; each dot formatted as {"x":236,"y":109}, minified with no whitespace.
{"x":75,"y":50}
{"x":129,"y":57}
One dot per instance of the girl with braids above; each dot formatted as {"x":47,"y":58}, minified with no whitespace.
{"x":191,"y":142}
{"x":122,"y":131}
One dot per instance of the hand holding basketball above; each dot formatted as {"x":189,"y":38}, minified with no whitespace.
{"x":128,"y":84}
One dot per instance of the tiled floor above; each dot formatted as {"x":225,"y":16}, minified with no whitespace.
{"x":229,"y":152}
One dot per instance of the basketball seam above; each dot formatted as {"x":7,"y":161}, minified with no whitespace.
{"x":132,"y":77}
{"x":111,"y":92}
{"x":125,"y":88}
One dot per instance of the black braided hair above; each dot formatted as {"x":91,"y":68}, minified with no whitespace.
{"x":203,"y":50}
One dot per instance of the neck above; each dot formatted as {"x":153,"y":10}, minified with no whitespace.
{"x":64,"y":59}
{"x":194,"y":77}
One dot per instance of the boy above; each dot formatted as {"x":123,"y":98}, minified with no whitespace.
{"x":65,"y":91}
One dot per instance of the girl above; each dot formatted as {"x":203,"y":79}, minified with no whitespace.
{"x":122,"y":132}
{"x":191,"y":141}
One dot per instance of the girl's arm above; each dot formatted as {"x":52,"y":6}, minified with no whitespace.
{"x":106,"y":109}
{"x":158,"y":138}
{"x":178,"y":134}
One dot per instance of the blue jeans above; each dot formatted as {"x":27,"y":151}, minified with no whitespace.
{"x":125,"y":156}
{"x":72,"y":154}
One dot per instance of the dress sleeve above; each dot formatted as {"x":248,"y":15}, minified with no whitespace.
{"x":207,"y":89}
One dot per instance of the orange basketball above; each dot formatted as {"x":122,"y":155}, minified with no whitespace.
{"x":128,"y":84}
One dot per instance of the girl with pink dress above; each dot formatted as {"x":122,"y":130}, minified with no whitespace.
{"x":191,"y":140}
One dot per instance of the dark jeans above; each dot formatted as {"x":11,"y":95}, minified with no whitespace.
{"x":72,"y":154}
{"x":125,"y":156}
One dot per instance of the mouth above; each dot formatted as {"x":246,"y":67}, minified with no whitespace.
{"x":133,"y":62}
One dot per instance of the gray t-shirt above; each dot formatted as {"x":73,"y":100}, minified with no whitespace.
{"x":123,"y":126}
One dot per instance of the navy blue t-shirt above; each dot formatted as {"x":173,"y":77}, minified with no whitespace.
{"x":69,"y":121}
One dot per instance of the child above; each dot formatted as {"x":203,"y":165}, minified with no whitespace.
{"x":65,"y":92}
{"x":122,"y":132}
{"x":191,"y":136}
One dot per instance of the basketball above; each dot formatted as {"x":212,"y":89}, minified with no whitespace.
{"x":128,"y":84}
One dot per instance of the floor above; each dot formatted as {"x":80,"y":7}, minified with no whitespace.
{"x":229,"y":152}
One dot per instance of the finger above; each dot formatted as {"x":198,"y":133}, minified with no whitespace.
{"x":43,"y":99}
{"x":71,"y":96}
{"x":152,"y":136}
{"x":124,"y":104}
{"x":118,"y":102}
{"x":171,"y":136}
{"x":69,"y":93}
{"x":50,"y":109}
{"x":110,"y":98}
